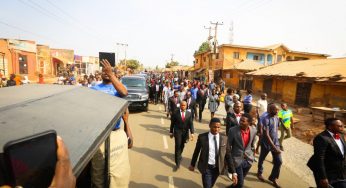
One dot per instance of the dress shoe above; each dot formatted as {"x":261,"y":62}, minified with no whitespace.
{"x":275,"y":184}
{"x":260,"y":177}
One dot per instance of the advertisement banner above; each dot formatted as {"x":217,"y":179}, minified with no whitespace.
{"x":28,"y":46}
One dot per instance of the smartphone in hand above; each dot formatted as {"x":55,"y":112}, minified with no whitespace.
{"x":30,"y":161}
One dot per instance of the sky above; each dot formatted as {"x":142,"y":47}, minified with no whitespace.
{"x":156,"y":29}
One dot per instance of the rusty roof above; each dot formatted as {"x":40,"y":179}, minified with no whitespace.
{"x":247,"y":65}
{"x":319,"y":68}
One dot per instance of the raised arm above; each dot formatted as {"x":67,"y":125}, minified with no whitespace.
{"x":107,"y":68}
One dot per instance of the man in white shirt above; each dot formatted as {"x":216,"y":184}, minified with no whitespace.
{"x":213,"y":152}
{"x":262,"y":104}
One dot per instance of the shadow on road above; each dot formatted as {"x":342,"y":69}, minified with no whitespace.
{"x":157,"y":155}
{"x":141,"y":185}
{"x":178,"y":182}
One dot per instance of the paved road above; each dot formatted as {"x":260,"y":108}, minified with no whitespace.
{"x":152,"y":157}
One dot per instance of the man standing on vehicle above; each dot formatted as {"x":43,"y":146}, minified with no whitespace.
{"x":119,"y":165}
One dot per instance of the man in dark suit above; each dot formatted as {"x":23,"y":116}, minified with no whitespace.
{"x":242,"y":141}
{"x":211,"y":160}
{"x":181,"y":123}
{"x":233,"y":118}
{"x":191,"y":104}
{"x":328,"y":162}
{"x":202,"y":96}
{"x":173,"y":103}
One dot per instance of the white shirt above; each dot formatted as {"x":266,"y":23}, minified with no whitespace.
{"x":211,"y":159}
{"x":262,"y":106}
{"x":157,"y":87}
{"x":338,"y":142}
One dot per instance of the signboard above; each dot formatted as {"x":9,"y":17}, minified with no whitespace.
{"x":23,"y":45}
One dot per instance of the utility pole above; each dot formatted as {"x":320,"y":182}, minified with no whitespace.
{"x":209,"y":36}
{"x":172,"y":55}
{"x":125,"y":46}
{"x":231,"y":33}
{"x":215,"y":35}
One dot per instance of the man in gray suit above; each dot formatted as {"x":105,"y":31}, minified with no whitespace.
{"x":241,"y":140}
{"x":213,"y":151}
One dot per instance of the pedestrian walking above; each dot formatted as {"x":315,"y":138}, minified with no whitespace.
{"x":270,"y":143}
{"x":248,"y":101}
{"x":213,"y":152}
{"x":173,"y":103}
{"x":242,"y":147}
{"x":328,"y":162}
{"x":233,"y":118}
{"x":228,"y":100}
{"x":286,"y":119}
{"x":213,"y":103}
{"x":181,"y":124}
{"x":191,"y":104}
{"x":202,"y":96}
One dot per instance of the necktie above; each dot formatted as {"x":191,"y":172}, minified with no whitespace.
{"x":183,"y":115}
{"x":337,"y":136}
{"x":215,"y":145}
{"x":237,"y":115}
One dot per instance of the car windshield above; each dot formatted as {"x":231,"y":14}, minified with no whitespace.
{"x":133,"y":82}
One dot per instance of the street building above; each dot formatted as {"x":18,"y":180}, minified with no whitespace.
{"x":210,"y":66}
{"x":319,"y":82}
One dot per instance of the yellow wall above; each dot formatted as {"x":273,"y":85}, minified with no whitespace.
{"x":328,"y":95}
{"x":257,"y":85}
{"x":289,"y":91}
{"x":232,"y":82}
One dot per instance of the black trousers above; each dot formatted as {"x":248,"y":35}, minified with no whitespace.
{"x":247,"y":108}
{"x":209,"y":177}
{"x":201,"y":108}
{"x":179,"y":139}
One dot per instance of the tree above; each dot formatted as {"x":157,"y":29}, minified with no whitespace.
{"x":204,"y":47}
{"x":131,"y":63}
{"x":171,"y":64}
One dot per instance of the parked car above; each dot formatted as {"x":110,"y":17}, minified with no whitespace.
{"x":138,"y":92}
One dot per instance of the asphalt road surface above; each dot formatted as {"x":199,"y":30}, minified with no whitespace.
{"x":152,"y":157}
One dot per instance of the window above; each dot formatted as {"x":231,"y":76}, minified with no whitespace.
{"x":256,"y":57}
{"x":269,"y":59}
{"x":235,"y":55}
{"x":23,"y":64}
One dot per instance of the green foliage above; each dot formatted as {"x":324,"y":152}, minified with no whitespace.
{"x":171,"y":64}
{"x":204,"y":47}
{"x":131,"y":63}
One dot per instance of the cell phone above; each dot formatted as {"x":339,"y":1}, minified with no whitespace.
{"x":30,"y":161}
{"x":110,"y":57}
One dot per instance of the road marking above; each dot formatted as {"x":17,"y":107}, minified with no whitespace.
{"x":170,"y":182}
{"x":165,"y":145}
{"x":162,"y":122}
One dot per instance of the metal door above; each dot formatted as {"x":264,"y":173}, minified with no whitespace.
{"x":303,"y":94}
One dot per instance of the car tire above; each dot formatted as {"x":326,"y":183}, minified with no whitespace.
{"x":146,"y":109}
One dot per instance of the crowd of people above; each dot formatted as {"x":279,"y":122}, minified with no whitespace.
{"x":251,"y":128}
{"x":258,"y":124}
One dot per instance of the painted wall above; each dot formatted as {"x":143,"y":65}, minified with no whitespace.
{"x":289,"y":91}
{"x":6,"y":61}
{"x":257,"y":85}
{"x":328,"y":95}
{"x":233,"y":81}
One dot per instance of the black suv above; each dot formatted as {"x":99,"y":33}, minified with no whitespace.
{"x":138,"y":93}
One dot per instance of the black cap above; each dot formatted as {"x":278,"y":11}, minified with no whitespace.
{"x":215,"y":120}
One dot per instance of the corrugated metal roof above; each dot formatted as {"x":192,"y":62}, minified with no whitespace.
{"x":249,"y":65}
{"x":319,"y":68}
